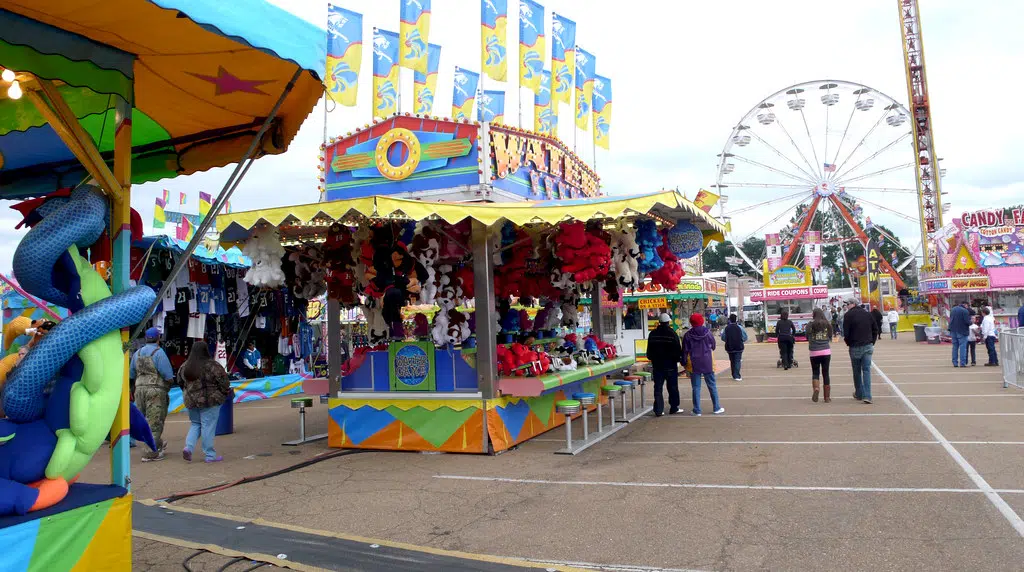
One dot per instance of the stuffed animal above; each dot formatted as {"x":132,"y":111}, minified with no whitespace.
{"x":265,"y":251}
{"x":426,"y":248}
{"x":624,"y":257}
{"x":570,"y":314}
{"x":376,"y":326}
{"x":464,"y":282}
{"x":671,"y":272}
{"x":421,"y":326}
{"x":458,"y":327}
{"x":564,"y":363}
{"x":648,"y":240}
{"x":583,"y":253}
{"x":439,"y":332}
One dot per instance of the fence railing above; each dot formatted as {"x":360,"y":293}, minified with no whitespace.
{"x":1011,"y":353}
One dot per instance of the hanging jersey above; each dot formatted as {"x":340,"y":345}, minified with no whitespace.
{"x":204,"y":299}
{"x":220,"y":301}
{"x":196,"y":326}
{"x":182,"y":299}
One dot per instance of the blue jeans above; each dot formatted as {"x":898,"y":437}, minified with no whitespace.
{"x":204,"y":424}
{"x":990,"y":345}
{"x":860,"y":358}
{"x":735,"y":361}
{"x":709,"y":378}
{"x":959,"y":349}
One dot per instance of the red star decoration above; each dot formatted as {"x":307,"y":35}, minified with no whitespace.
{"x":227,"y":82}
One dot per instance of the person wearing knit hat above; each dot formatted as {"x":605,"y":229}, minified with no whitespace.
{"x":664,"y":351}
{"x":698,"y":347}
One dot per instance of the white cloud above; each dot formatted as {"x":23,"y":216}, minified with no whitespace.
{"x":683,"y":73}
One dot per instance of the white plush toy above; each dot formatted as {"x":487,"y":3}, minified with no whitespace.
{"x":375,"y":324}
{"x":624,"y":257}
{"x":570,"y":315}
{"x":265,"y":251}
{"x":439,"y":333}
{"x":559,"y":364}
{"x":554,"y":319}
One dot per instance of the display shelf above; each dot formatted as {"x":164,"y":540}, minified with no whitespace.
{"x":534,"y":386}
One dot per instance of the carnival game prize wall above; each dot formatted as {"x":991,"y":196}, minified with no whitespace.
{"x":411,"y":366}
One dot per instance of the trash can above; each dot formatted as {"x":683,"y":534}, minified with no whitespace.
{"x":226,"y":422}
{"x":919,"y":335}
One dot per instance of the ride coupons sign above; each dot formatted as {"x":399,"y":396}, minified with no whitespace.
{"x":798,"y":293}
{"x":812,"y":249}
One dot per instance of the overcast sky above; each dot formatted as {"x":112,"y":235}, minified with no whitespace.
{"x":684,"y":73}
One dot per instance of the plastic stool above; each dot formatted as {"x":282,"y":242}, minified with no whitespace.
{"x":301,"y":403}
{"x":586,"y":399}
{"x":568,"y":407}
{"x":624,"y":385}
{"x":632,"y":396}
{"x":612,"y":391}
{"x":645,"y":376}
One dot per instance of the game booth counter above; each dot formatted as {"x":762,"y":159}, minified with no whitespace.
{"x":980,"y":260}
{"x":91,"y":103}
{"x":475,"y":370}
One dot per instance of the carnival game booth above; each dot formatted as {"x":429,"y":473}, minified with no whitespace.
{"x":640,"y":308}
{"x":454,"y":383}
{"x":114,"y":93}
{"x":789,"y":288}
{"x":980,"y":260}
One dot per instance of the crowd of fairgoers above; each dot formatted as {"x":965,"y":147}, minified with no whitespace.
{"x":847,"y":320}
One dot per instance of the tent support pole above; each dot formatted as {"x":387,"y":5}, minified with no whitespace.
{"x":229,"y":187}
{"x":334,"y":347}
{"x":486,"y":326}
{"x":121,"y":242}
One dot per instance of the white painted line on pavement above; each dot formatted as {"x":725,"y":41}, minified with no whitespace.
{"x":753,"y":382}
{"x":717,"y":486}
{"x":728,"y":416}
{"x":608,"y":567}
{"x":1011,"y":516}
{"x":808,"y":442}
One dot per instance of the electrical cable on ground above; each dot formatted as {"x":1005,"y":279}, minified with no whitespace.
{"x":231,"y":562}
{"x":184,"y":563}
{"x":244,"y":480}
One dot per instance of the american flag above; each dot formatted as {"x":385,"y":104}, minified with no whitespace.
{"x":830,"y":168}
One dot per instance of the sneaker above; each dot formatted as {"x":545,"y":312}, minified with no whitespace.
{"x":738,"y":379}
{"x":719,"y":411}
{"x":658,"y":414}
{"x":187,"y":455}
{"x":216,"y":459}
{"x":673,"y":411}
{"x":157,"y":455}
{"x":695,"y":413}
{"x":868,"y":401}
{"x":163,"y":447}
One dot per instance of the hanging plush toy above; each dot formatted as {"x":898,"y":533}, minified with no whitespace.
{"x":376,"y":326}
{"x":426,"y":248}
{"x":625,"y":252}
{"x":458,"y":327}
{"x":671,"y":272}
{"x":439,"y":332}
{"x":265,"y":251}
{"x":648,"y":240}
{"x":570,"y":313}
{"x":584,"y":254}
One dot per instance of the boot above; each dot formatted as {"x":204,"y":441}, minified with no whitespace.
{"x":817,"y":386}
{"x":828,"y":391}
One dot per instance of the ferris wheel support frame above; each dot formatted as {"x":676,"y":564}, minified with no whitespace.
{"x":928,"y":173}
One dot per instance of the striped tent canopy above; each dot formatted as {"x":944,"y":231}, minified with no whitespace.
{"x":201,"y":76}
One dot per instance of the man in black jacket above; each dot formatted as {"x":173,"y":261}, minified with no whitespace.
{"x":860,"y":330}
{"x":664,"y":351}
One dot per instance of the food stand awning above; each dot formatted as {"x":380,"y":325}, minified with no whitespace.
{"x":665,"y":205}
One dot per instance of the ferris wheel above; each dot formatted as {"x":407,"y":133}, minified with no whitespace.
{"x":827,"y":144}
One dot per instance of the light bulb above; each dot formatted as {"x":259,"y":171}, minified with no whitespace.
{"x":14,"y":92}
{"x":7,"y":75}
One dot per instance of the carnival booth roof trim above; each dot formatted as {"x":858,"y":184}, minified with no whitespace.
{"x":237,"y":225}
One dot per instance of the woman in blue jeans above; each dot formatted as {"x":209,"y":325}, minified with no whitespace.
{"x":206,"y":387}
{"x":698,"y":345}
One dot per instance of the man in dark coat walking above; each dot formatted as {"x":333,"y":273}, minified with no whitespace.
{"x":860,"y":330}
{"x":664,"y":351}
{"x":959,"y":328}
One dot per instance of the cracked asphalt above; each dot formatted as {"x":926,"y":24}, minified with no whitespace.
{"x":777,"y":483}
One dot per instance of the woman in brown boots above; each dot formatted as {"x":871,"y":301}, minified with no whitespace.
{"x":819,"y":337}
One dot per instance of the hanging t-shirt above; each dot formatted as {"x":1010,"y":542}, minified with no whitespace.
{"x":168,"y":299}
{"x":215,"y":272}
{"x":305,"y":339}
{"x":284,"y":346}
{"x":197,"y":326}
{"x":222,"y":354}
{"x":158,"y":268}
{"x":204,"y":299}
{"x":182,"y":279}
{"x":220,"y":301}
{"x":197,"y":272}
{"x":231,"y":295}
{"x":182,"y":301}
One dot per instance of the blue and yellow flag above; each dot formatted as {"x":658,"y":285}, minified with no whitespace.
{"x":602,"y":110}
{"x":464,"y":94}
{"x":492,"y":106}
{"x":415,"y":29}
{"x":531,"y":44}
{"x":545,"y":120}
{"x":425,"y":85}
{"x":563,"y":57}
{"x":585,"y":67}
{"x":493,"y":23}
{"x":385,"y":73}
{"x":344,"y":54}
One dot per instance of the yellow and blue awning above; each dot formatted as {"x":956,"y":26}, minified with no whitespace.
{"x":668,"y":206}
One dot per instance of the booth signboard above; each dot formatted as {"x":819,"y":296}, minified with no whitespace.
{"x":788,"y":276}
{"x":932,"y":286}
{"x":773,"y":246}
{"x":812,"y":248}
{"x":685,"y":240}
{"x":766,"y":294}
{"x":411,"y":366}
{"x":652,"y":303}
{"x":691,"y":286}
{"x":971,"y":283}
{"x":532,"y":166}
{"x":874,"y":256}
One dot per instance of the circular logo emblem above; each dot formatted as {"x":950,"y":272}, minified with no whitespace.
{"x":824,"y":189}
{"x":685,"y":240}
{"x":398,"y":154}
{"x":411,"y":365}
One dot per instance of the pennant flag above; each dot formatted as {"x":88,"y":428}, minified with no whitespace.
{"x":415,"y":29}
{"x":493,"y":23}
{"x":531,"y":44}
{"x":425,"y":85}
{"x":704,"y":200}
{"x":602,"y":111}
{"x":204,"y":204}
{"x":545,"y":120}
{"x":464,"y":94}
{"x":585,"y":67}
{"x":227,"y":206}
{"x":563,"y":57}
{"x":186,"y":229}
{"x":344,"y":54}
{"x":167,"y":196}
{"x":159,"y":215}
{"x":492,"y":107}
{"x":182,"y":198}
{"x":385,"y":73}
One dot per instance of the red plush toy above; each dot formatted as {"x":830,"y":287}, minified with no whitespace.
{"x":669,"y":275}
{"x":338,"y":265}
{"x":464,"y":281}
{"x":584,"y":254}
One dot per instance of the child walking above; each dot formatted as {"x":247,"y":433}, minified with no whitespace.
{"x":819,"y":338}
{"x":973,"y":335}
